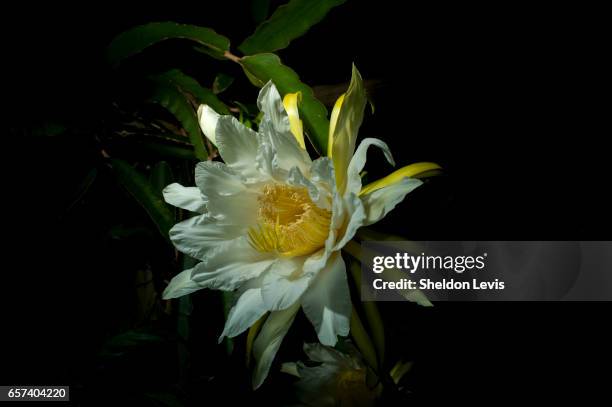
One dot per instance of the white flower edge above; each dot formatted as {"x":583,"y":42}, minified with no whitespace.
{"x":225,"y":198}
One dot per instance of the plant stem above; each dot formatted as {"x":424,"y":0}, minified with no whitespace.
{"x":231,"y":57}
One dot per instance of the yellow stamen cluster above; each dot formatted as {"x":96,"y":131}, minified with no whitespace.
{"x":290,"y":224}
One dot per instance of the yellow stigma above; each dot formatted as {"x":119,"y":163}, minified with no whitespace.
{"x":290,"y":224}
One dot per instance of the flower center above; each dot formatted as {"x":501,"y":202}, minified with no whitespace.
{"x":289,"y":223}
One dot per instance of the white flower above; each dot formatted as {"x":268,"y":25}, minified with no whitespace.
{"x":338,"y":380}
{"x":272,"y":222}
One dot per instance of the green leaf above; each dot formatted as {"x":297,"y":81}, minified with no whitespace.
{"x":260,"y":10}
{"x":48,"y":129}
{"x":83,"y":188}
{"x":162,"y":150}
{"x":183,"y":324}
{"x":120,"y":232}
{"x":247,"y":113}
{"x":372,"y":314}
{"x":264,"y":67}
{"x":363,"y":341}
{"x":171,"y":98}
{"x":221,"y":83}
{"x":213,"y":54}
{"x":131,"y":339}
{"x":128,"y":341}
{"x":288,"y":22}
{"x":137,"y":39}
{"x":248,"y":109}
{"x":141,"y":189}
{"x":188,"y":84}
{"x":161,"y":176}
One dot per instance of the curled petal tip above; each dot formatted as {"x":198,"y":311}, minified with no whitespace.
{"x":208,"y":118}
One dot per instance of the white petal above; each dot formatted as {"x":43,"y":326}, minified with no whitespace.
{"x":318,"y":260}
{"x":416,"y":296}
{"x":290,"y":368}
{"x":247,"y":310}
{"x":327,"y":303}
{"x":269,"y":340}
{"x":355,"y":211}
{"x":237,"y":146}
{"x":380,"y":202}
{"x":189,"y":198}
{"x":314,"y":389}
{"x":208,"y":122}
{"x":316,"y":379}
{"x":358,"y":162}
{"x":290,"y":154}
{"x":180,"y":285}
{"x":271,"y":104}
{"x":228,"y":199}
{"x":323,"y":178}
{"x":296,"y":178}
{"x":266,"y":161}
{"x":217,"y":177}
{"x":322,"y":170}
{"x":228,"y":266}
{"x":319,"y":353}
{"x":240,"y":209}
{"x":284,"y":284}
{"x":276,"y":130}
{"x":198,"y":235}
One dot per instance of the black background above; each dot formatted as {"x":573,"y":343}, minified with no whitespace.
{"x":508,"y":99}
